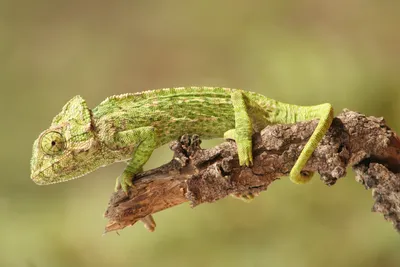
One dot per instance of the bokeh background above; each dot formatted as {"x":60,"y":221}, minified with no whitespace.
{"x":303,"y":52}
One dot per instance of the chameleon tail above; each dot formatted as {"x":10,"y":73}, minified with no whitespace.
{"x":325,"y":114}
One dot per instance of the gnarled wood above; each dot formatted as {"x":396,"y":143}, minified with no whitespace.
{"x":196,"y":175}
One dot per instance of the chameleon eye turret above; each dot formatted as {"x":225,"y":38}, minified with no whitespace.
{"x":52,"y":143}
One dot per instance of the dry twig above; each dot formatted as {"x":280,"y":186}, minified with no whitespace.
{"x":198,"y":176}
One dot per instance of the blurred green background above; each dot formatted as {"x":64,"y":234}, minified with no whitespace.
{"x":303,"y":52}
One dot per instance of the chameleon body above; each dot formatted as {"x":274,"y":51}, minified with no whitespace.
{"x":129,"y":127}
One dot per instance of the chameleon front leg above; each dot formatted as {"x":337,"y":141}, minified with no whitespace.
{"x":145,"y":141}
{"x":243,"y":129}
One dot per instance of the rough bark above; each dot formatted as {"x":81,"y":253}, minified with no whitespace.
{"x":207,"y":175}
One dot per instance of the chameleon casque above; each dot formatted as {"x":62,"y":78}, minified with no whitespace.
{"x":129,"y":127}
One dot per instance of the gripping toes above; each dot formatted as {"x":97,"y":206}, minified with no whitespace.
{"x":246,"y":197}
{"x":244,"y":148}
{"x":124,"y":181}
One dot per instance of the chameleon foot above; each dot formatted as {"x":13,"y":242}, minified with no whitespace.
{"x":124,"y":181}
{"x":244,"y":149}
{"x":247,"y":197}
{"x":301,"y":177}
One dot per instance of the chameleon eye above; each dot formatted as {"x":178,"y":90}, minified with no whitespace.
{"x":52,"y":143}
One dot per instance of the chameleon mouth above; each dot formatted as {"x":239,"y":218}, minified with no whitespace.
{"x":38,"y":181}
{"x":49,"y":173}
{"x":40,"y":177}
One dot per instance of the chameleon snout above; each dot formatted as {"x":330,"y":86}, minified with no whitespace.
{"x":37,"y":180}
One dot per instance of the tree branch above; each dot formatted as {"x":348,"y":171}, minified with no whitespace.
{"x":198,"y":176}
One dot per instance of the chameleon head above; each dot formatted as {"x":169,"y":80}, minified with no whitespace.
{"x":65,"y":150}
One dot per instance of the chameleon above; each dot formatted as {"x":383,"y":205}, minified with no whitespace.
{"x":129,"y":127}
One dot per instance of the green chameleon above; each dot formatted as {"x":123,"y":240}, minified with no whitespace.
{"x":129,"y":127}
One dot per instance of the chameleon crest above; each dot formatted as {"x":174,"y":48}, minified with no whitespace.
{"x":63,"y":151}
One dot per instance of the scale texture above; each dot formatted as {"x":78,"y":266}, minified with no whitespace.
{"x":129,"y":127}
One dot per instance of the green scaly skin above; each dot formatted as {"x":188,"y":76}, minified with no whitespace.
{"x":129,"y":127}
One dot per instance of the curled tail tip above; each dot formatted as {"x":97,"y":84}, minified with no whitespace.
{"x":301,"y":177}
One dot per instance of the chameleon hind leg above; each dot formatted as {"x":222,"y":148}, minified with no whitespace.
{"x":242,"y":133}
{"x":324,"y":113}
{"x":144,"y":140}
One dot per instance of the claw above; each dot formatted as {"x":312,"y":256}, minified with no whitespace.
{"x":125,"y":187}
{"x":246,"y":197}
{"x":123,"y":182}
